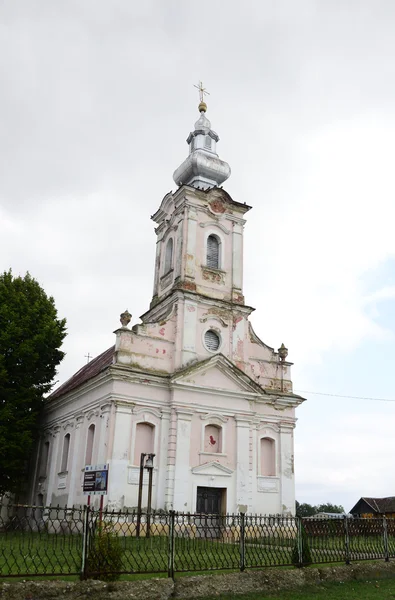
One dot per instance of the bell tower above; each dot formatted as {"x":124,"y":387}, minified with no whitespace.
{"x":200,"y":227}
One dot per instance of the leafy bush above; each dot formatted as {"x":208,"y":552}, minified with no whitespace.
{"x":306,"y":554}
{"x":104,"y":559}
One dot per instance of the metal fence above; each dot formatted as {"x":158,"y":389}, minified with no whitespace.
{"x":45,"y":541}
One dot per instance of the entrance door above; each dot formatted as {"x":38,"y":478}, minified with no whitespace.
{"x":209,"y":500}
{"x":209,"y":505}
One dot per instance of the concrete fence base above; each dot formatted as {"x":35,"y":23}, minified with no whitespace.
{"x":271,"y":580}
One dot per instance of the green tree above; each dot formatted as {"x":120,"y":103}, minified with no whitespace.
{"x":30,"y":338}
{"x":305,"y":510}
{"x":330,"y":508}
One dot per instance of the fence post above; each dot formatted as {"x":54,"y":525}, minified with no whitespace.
{"x":346,"y":540}
{"x":85,"y":534}
{"x":170,"y":558}
{"x":242,"y":542}
{"x":385,"y":538}
{"x":300,"y":542}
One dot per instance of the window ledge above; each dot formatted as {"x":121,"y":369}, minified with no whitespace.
{"x":62,"y":473}
{"x":167,"y":273}
{"x":213,"y":269}
{"x":213,"y":454}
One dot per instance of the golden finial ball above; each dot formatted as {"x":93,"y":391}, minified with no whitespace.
{"x":202,"y":106}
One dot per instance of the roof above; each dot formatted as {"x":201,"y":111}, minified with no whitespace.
{"x":378,"y":505}
{"x":88,"y":371}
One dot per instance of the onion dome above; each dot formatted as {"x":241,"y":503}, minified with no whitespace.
{"x":202,"y":168}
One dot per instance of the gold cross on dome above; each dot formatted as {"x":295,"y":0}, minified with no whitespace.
{"x":202,"y":91}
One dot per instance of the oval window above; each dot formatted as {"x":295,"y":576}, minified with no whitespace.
{"x":211,"y":340}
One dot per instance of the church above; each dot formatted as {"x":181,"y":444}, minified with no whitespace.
{"x":192,"y":383}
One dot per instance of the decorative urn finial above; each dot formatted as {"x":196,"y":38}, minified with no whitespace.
{"x":282,"y":352}
{"x":125,"y":319}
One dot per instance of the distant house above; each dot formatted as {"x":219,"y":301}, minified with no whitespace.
{"x":374,"y":507}
{"x":327,"y":515}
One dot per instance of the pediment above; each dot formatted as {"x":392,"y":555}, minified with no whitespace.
{"x":212,"y":468}
{"x":217,"y":373}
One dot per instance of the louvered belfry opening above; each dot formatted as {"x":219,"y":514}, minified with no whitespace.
{"x":211,"y":340}
{"x":169,"y":256}
{"x":213,"y":252}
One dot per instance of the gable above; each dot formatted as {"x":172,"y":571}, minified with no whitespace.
{"x":215,"y":379}
{"x":217,"y":373}
{"x":212,"y":468}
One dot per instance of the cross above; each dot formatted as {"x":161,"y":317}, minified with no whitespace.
{"x":88,"y":357}
{"x":202,"y":91}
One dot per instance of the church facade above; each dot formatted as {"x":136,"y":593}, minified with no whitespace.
{"x":192,"y":383}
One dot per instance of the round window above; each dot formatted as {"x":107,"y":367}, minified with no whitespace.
{"x":211,"y":340}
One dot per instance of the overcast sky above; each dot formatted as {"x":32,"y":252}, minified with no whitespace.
{"x":96,"y":102}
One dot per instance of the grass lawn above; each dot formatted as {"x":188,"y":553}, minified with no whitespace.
{"x":43,"y":554}
{"x":352,"y":590}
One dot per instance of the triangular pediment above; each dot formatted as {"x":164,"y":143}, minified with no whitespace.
{"x":212,"y":468}
{"x":217,"y":373}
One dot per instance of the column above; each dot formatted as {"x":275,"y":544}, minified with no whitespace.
{"x":287,"y":467}
{"x":182,"y":499}
{"x":242,"y":461}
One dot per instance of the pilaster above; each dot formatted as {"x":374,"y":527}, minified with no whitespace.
{"x":78,"y":457}
{"x":287,"y":468}
{"x":171,"y":460}
{"x":53,"y":462}
{"x":237,"y":258}
{"x":189,"y":332}
{"x":190,"y":257}
{"x":163,"y":456}
{"x":182,"y":466}
{"x":243,"y":492}
{"x":103,"y":437}
{"x":120,"y":455}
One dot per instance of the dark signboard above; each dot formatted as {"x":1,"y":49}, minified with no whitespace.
{"x":95,"y":480}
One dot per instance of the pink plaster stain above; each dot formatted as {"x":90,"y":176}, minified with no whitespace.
{"x":235,"y":321}
{"x":162,"y":331}
{"x":163,"y":351}
{"x":191,"y":308}
{"x":157,"y":350}
{"x":239,"y":348}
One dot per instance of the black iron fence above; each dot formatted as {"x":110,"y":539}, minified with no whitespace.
{"x":45,"y":541}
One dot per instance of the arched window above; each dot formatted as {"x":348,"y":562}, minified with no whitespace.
{"x":144,"y":442}
{"x":168,"y":256}
{"x":65,"y":453}
{"x":44,"y":460}
{"x":212,"y":438}
{"x":268,"y":457}
{"x":213,"y":252}
{"x":89,"y":444}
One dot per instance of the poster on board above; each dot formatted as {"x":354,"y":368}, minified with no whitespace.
{"x":95,"y":480}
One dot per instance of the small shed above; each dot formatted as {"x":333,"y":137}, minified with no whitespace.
{"x":374,"y":507}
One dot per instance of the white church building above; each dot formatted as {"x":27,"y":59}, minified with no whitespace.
{"x":192,"y":383}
